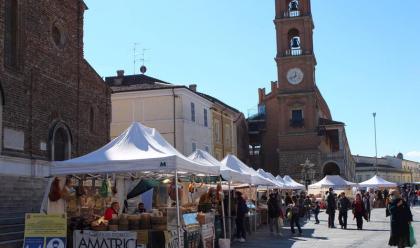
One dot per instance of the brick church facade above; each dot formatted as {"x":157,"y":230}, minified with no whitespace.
{"x":294,"y":122}
{"x":54,"y":106}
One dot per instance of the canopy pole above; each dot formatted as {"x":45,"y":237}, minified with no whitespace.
{"x":178,"y":220}
{"x":222,"y":196}
{"x":229,"y":211}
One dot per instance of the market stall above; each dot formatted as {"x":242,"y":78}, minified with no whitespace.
{"x":292,"y":184}
{"x":254,"y":216}
{"x":377,"y":182}
{"x":336,"y":182}
{"x":140,"y":153}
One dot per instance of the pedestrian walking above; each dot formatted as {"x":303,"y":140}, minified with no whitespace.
{"x":308,"y":205}
{"x":401,"y":219}
{"x":331,"y":207}
{"x":359,"y":211}
{"x":241,"y":211}
{"x":316,"y":209}
{"x":295,"y":215}
{"x":273,"y":213}
{"x":288,"y":200}
{"x":367,"y":205}
{"x":344,"y":205}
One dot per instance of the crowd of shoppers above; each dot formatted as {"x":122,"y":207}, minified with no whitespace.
{"x":291,"y":209}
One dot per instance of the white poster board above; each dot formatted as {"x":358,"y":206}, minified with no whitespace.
{"x":94,"y":239}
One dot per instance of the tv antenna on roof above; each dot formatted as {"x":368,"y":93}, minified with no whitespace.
{"x":138,"y":56}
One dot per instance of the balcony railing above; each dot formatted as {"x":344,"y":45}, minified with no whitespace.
{"x":293,"y":13}
{"x":293,"y":52}
{"x":297,"y":123}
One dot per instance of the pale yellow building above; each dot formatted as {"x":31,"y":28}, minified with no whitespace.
{"x":224,"y":128}
{"x":179,"y":113}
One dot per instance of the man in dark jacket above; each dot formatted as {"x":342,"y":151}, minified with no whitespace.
{"x":331,"y":207}
{"x":401,"y":217}
{"x":343,"y":207}
{"x":367,"y":204}
{"x":273,"y":212}
{"x":241,"y":211}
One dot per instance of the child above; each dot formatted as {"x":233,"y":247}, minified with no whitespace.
{"x":315,"y":209}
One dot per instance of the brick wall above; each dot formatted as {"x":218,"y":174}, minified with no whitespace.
{"x":52,"y":82}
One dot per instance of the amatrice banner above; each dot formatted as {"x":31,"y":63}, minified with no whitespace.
{"x":94,"y":239}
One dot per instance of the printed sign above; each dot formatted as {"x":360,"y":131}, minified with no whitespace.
{"x":94,"y":239}
{"x":45,"y":231}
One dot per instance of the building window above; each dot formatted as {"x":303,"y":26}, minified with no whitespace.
{"x":206,"y":124}
{"x":192,"y":112}
{"x":92,"y":120}
{"x":60,"y":142}
{"x":297,"y":118}
{"x":58,"y":35}
{"x":194,"y":146}
{"x":228,"y":135}
{"x":216,"y":130}
{"x":206,"y":148}
{"x":11,"y":33}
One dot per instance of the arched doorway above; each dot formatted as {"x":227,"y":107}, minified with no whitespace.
{"x":60,"y":142}
{"x":331,"y":168}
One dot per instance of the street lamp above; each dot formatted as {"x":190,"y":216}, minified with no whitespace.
{"x":376,"y":146}
{"x":308,"y":173}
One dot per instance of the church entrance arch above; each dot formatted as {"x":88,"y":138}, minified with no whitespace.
{"x":331,"y":168}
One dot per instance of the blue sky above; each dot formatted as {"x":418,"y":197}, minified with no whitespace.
{"x":367,"y":54}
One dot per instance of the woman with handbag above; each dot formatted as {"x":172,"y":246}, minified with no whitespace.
{"x":401,"y":219}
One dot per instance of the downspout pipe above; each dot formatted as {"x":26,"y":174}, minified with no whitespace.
{"x":174,"y":116}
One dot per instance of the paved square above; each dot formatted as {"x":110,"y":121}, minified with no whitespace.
{"x":374,"y":235}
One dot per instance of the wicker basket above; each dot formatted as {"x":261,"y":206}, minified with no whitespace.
{"x":100,"y":228}
{"x":113,"y":228}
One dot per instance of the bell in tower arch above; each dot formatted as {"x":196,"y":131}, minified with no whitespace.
{"x":295,"y":43}
{"x":293,"y":6}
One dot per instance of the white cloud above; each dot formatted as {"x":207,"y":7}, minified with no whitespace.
{"x":413,"y":155}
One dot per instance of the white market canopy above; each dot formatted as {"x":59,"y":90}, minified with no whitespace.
{"x":137,"y":149}
{"x":204,"y":158}
{"x":270,"y":177}
{"x":232,"y":163}
{"x":292,"y":184}
{"x":377,"y":182}
{"x":332,"y":181}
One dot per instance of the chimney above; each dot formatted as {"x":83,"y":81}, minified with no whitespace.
{"x":261,"y":95}
{"x":193,"y":87}
{"x":120,"y":73}
{"x":274,"y":86}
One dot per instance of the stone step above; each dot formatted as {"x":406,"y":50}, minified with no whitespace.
{"x":11,"y":221}
{"x":17,"y":243}
{"x":12,"y":228}
{"x":11,"y":236}
{"x":19,"y":209}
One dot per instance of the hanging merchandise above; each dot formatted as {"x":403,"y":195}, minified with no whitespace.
{"x":104,"y":190}
{"x":55,"y":192}
{"x":114,"y":188}
{"x":80,"y":191}
{"x":68,"y":190}
{"x":172,"y":192}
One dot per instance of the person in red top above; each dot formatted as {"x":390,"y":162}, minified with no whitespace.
{"x":114,"y":209}
{"x":359,"y":211}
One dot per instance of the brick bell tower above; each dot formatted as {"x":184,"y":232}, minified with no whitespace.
{"x":294,"y":122}
{"x":300,"y":103}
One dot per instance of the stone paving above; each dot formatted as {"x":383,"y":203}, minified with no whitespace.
{"x":374,"y":235}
